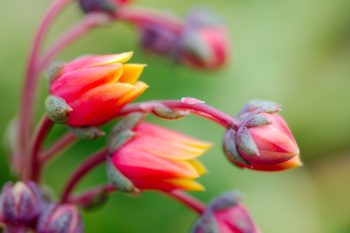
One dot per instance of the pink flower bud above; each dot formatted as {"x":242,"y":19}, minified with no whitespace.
{"x":60,"y":219}
{"x":20,"y":204}
{"x":90,"y":90}
{"x":225,"y":215}
{"x":205,"y":42}
{"x":161,"y":159}
{"x":206,"y":48}
{"x":263,"y":140}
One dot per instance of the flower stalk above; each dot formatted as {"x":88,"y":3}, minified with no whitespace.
{"x":90,"y":163}
{"x":194,"y":106}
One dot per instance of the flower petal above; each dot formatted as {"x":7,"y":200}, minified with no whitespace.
{"x":73,"y":84}
{"x":136,"y":164}
{"x":131,"y":73}
{"x":98,"y":105}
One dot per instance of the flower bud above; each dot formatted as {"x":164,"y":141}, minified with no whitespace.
{"x":225,"y":215}
{"x":157,"y":158}
{"x":20,"y":204}
{"x":63,"y":218}
{"x":106,"y":6}
{"x":158,"y":39}
{"x":204,"y":42}
{"x":263,"y":140}
{"x":91,"y":90}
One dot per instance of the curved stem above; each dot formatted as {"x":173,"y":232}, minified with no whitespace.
{"x":61,"y":144}
{"x":30,"y":82}
{"x":85,"y":198}
{"x":199,"y":109}
{"x":143,"y":16}
{"x":43,"y":129}
{"x":90,"y":163}
{"x":189,"y":201}
{"x":88,"y":23}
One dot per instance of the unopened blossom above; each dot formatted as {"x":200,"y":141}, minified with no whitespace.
{"x":263,"y":140}
{"x":20,"y":204}
{"x":225,"y":215}
{"x":161,"y":159}
{"x":63,"y":218}
{"x":204,"y":41}
{"x":90,"y":90}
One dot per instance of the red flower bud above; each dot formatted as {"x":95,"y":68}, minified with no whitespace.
{"x":225,"y":215}
{"x":161,"y":159}
{"x":92,"y":89}
{"x":60,"y":218}
{"x":263,"y":140}
{"x":20,"y":204}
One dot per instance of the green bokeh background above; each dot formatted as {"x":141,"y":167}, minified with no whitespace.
{"x":293,"y":52}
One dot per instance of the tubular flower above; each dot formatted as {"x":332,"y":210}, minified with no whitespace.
{"x":90,"y":90}
{"x":161,"y":159}
{"x":226,"y":215}
{"x":263,"y":140}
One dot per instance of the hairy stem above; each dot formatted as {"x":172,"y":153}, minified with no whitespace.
{"x":31,"y":77}
{"x":42,"y":131}
{"x":90,"y":163}
{"x":61,"y":144}
{"x":199,"y":109}
{"x":88,"y":23}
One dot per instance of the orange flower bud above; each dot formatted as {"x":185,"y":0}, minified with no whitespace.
{"x":95,"y":88}
{"x":161,"y":159}
{"x":263,"y":140}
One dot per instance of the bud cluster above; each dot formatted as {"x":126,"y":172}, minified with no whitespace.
{"x":23,"y":206}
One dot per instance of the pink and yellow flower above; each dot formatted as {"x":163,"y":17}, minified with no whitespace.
{"x":161,"y":159}
{"x":97,"y":87}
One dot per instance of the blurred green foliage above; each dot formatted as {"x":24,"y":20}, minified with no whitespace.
{"x":293,"y":52}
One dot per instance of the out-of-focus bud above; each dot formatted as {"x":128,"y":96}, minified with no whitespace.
{"x":263,"y":140}
{"x":60,"y":219}
{"x":225,"y":215}
{"x":204,"y":42}
{"x":158,"y":158}
{"x":106,"y":6}
{"x":158,"y":39}
{"x":90,"y":90}
{"x":21,"y":204}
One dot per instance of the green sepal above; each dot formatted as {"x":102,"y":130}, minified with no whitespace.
{"x":162,"y":111}
{"x":225,"y":201}
{"x":53,"y":70}
{"x":120,"y":182}
{"x":128,"y":122}
{"x":230,"y":148}
{"x":258,"y":120}
{"x":206,"y":224}
{"x":87,"y":133}
{"x":57,"y":109}
{"x":115,"y":141}
{"x":246,"y":143}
